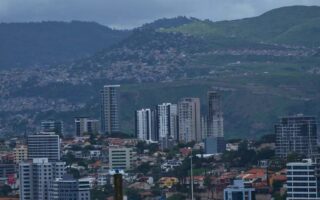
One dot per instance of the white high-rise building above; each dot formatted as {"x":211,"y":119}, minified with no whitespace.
{"x":189,"y":120}
{"x":238,"y":191}
{"x":110,"y":109}
{"x":36,"y":178}
{"x":68,"y":188}
{"x":44,"y":145}
{"x":302,"y":182}
{"x":167,"y":121}
{"x":144,"y":124}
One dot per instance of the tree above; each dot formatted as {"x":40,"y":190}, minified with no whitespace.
{"x":98,"y":194}
{"x":144,"y":168}
{"x":265,"y":153}
{"x":177,"y":197}
{"x":5,"y":190}
{"x":269,"y":138}
{"x":294,"y":157}
{"x":276,"y":185}
{"x":209,"y":185}
{"x":140,"y":147}
{"x":277,"y":196}
{"x":74,"y":172}
{"x":207,"y":181}
{"x":133,"y":194}
{"x":69,"y":159}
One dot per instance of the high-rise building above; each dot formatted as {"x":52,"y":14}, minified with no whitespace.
{"x":238,"y":191}
{"x":44,"y":145}
{"x":110,"y":109}
{"x":189,"y":120}
{"x":302,"y":181}
{"x":67,"y":188}
{"x":145,"y":125}
{"x":55,"y":126}
{"x":36,"y":177}
{"x":84,"y":125}
{"x":120,"y":158}
{"x":155,"y":125}
{"x":215,"y":115}
{"x":204,"y":127}
{"x":167,"y":121}
{"x":296,"y":134}
{"x":20,"y":153}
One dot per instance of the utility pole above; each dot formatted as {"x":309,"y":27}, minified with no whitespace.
{"x":118,"y":190}
{"x":191,"y":173}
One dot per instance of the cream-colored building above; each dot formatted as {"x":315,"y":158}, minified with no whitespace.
{"x":20,"y":153}
{"x":120,"y":158}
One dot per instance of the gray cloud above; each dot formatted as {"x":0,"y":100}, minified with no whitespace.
{"x":132,"y":13}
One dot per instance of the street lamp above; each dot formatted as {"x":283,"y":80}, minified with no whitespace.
{"x":191,"y":174}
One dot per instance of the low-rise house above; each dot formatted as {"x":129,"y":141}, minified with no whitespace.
{"x":94,"y":154}
{"x":225,"y":179}
{"x":170,"y":165}
{"x":168,"y":182}
{"x":103,"y":179}
{"x":280,"y":176}
{"x":140,"y":186}
{"x":185,"y":151}
{"x":256,"y":178}
{"x":198,"y":181}
{"x":95,"y":166}
{"x":253,"y":175}
{"x":232,"y":146}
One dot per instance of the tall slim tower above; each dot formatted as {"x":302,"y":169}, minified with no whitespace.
{"x":110,"y":109}
{"x":189,"y":120}
{"x":215,"y":115}
{"x":144,"y":124}
{"x":167,"y":120}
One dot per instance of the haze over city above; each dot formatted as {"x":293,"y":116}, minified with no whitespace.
{"x":159,"y":100}
{"x":134,"y":13}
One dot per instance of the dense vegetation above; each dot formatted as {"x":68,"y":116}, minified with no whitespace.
{"x":47,"y":43}
{"x":296,"y":25}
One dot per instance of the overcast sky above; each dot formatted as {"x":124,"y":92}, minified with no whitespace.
{"x":132,"y":13}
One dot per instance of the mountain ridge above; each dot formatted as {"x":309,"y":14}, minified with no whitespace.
{"x":49,"y":43}
{"x":260,"y":80}
{"x":261,"y":28}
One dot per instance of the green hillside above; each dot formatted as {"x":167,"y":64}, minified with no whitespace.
{"x":288,"y":25}
{"x":50,"y":43}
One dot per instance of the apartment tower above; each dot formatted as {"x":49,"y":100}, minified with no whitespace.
{"x":44,"y":145}
{"x":296,"y":134}
{"x":36,"y":177}
{"x":167,"y":121}
{"x":189,"y":120}
{"x":110,"y":109}
{"x":215,"y":115}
